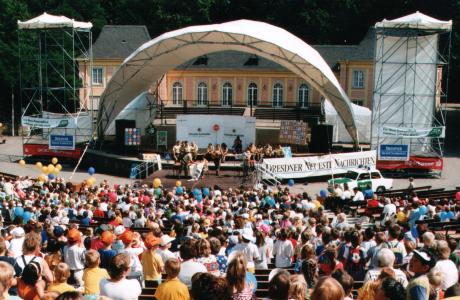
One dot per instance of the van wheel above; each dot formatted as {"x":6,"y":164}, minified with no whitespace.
{"x":380,"y":189}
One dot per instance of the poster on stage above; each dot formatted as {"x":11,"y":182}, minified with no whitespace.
{"x":162,"y":138}
{"x":311,"y":166}
{"x":215,"y":129}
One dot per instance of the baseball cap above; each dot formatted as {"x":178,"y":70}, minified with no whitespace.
{"x":107,"y":237}
{"x":127,"y":237}
{"x":166,"y":239}
{"x":73,"y":235}
{"x":151,"y":240}
{"x":425,"y":257}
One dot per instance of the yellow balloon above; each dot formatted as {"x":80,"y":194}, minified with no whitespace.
{"x":91,"y":180}
{"x":156,"y":182}
{"x":50,"y":168}
{"x":22,"y":163}
{"x":55,"y":171}
{"x":178,"y":183}
{"x":39,"y":165}
{"x":42,"y":177}
{"x":59,"y":167}
{"x":45,"y":169}
{"x":54,"y":160}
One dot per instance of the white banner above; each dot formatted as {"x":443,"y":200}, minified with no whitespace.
{"x":35,"y":122}
{"x":301,"y":167}
{"x":215,"y":129}
{"x":413,"y":133}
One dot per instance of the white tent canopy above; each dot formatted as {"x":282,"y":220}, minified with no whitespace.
{"x":153,"y":59}
{"x":363,"y":117}
{"x":416,"y":20}
{"x":46,"y":21}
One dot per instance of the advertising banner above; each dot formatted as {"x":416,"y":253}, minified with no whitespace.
{"x":310,"y":166}
{"x":413,"y":133}
{"x":132,"y":136}
{"x":394,"y":152}
{"x":62,"y":142}
{"x":36,"y":122}
{"x":414,"y":162}
{"x":44,"y":150}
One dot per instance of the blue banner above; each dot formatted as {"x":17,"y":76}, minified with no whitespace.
{"x":62,"y":142}
{"x":393,"y":152}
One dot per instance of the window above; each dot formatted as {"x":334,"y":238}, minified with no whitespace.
{"x":252,"y":94}
{"x":177,"y":93}
{"x":303,"y":95}
{"x":358,"y":79}
{"x":97,"y":76}
{"x":93,"y":103}
{"x":202,"y":94}
{"x":277,"y":95}
{"x":358,"y":102}
{"x":227,"y":94}
{"x":375,"y":175}
{"x":364,"y":176}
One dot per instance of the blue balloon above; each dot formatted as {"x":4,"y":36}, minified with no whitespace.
{"x":179,"y":190}
{"x":423,"y":210}
{"x":206,"y":192}
{"x":323,"y":193}
{"x":51,"y":176}
{"x":91,"y":171}
{"x":291,"y":182}
{"x":196,"y":191}
{"x":199,"y":198}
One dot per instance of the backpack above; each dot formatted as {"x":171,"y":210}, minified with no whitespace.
{"x":17,"y":268}
{"x":355,"y":263}
{"x":394,"y":248}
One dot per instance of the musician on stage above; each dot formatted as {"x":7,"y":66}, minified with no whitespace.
{"x":176,"y":152}
{"x":217,"y":158}
{"x":246,"y":159}
{"x":224,"y":148}
{"x":209,"y":152}
{"x":194,"y":150}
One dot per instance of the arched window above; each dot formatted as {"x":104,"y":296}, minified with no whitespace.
{"x":277,"y":95}
{"x":177,"y":93}
{"x":252,"y":94}
{"x":202,"y":94}
{"x":227,"y":94}
{"x":303,"y":95}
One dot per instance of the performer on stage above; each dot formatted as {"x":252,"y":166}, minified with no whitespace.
{"x":176,"y":152}
{"x":224,"y":148}
{"x":194,"y":150}
{"x":217,"y":158}
{"x":246,"y":158}
{"x":209,"y":152}
{"x":237,"y":145}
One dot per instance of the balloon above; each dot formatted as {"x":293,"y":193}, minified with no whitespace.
{"x":196,"y":191}
{"x":22,"y":163}
{"x":51,"y":176}
{"x":206,"y":192}
{"x":179,"y":190}
{"x":199,"y":198}
{"x":58,"y":167}
{"x":91,"y":180}
{"x":45,"y":169}
{"x":39,"y":165}
{"x":50,"y":168}
{"x":156,"y":182}
{"x":323,"y":193}
{"x":55,"y":171}
{"x":291,"y":182}
{"x":178,"y":183}
{"x":158,"y":192}
{"x":423,"y":210}
{"x":457,"y":196}
{"x":91,"y":171}
{"x":42,"y":177}
{"x":54,"y":160}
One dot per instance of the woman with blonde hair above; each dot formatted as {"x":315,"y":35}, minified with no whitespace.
{"x":240,"y":284}
{"x":328,"y":288}
{"x":370,"y":288}
{"x":206,"y":258}
{"x":298,"y":287}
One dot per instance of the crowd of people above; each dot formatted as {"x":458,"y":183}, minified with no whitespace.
{"x":109,"y":242}
{"x":184,"y":154}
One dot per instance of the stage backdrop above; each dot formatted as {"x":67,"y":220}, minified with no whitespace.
{"x":215,"y":129}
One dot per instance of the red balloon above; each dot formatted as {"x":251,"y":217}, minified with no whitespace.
{"x":457,"y":196}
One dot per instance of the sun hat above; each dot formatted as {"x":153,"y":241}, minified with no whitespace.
{"x":107,"y":237}
{"x":166,"y":239}
{"x":73,"y":235}
{"x":151,"y":241}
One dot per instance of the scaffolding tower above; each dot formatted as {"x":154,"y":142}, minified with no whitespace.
{"x":410,"y":89}
{"x":50,"y":51}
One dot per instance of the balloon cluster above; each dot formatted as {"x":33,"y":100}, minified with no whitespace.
{"x":48,"y":172}
{"x":91,"y":180}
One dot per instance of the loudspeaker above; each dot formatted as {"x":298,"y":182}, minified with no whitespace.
{"x":321,"y":138}
{"x":120,"y":126}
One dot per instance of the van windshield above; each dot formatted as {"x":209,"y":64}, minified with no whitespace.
{"x":351,"y":175}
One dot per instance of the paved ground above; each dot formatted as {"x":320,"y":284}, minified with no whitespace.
{"x":12,"y":149}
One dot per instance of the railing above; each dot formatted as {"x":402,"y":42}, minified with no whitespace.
{"x":264,"y":109}
{"x":143,"y":170}
{"x":266,"y":175}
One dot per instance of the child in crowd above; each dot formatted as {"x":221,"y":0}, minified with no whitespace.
{"x":74,"y":255}
{"x":6,"y":281}
{"x":61,"y":275}
{"x":92,"y":274}
{"x":106,"y":252}
{"x":172,"y":288}
{"x":151,"y":261}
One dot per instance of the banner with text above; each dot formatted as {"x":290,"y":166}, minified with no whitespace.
{"x":310,"y":166}
{"x":63,"y":122}
{"x":413,"y":133}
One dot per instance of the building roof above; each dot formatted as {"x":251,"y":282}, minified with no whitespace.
{"x":119,"y":41}
{"x":364,"y":51}
{"x":332,"y":54}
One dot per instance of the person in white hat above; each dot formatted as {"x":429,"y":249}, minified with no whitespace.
{"x":249,"y":249}
{"x":17,"y":241}
{"x":165,"y":245}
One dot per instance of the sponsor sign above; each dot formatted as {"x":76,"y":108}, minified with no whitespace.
{"x":44,"y":150}
{"x":62,"y":142}
{"x":132,"y":136}
{"x":414,"y":162}
{"x":393,"y":152}
{"x":48,"y":122}
{"x":413,"y":133}
{"x":162,"y":138}
{"x":301,"y":167}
